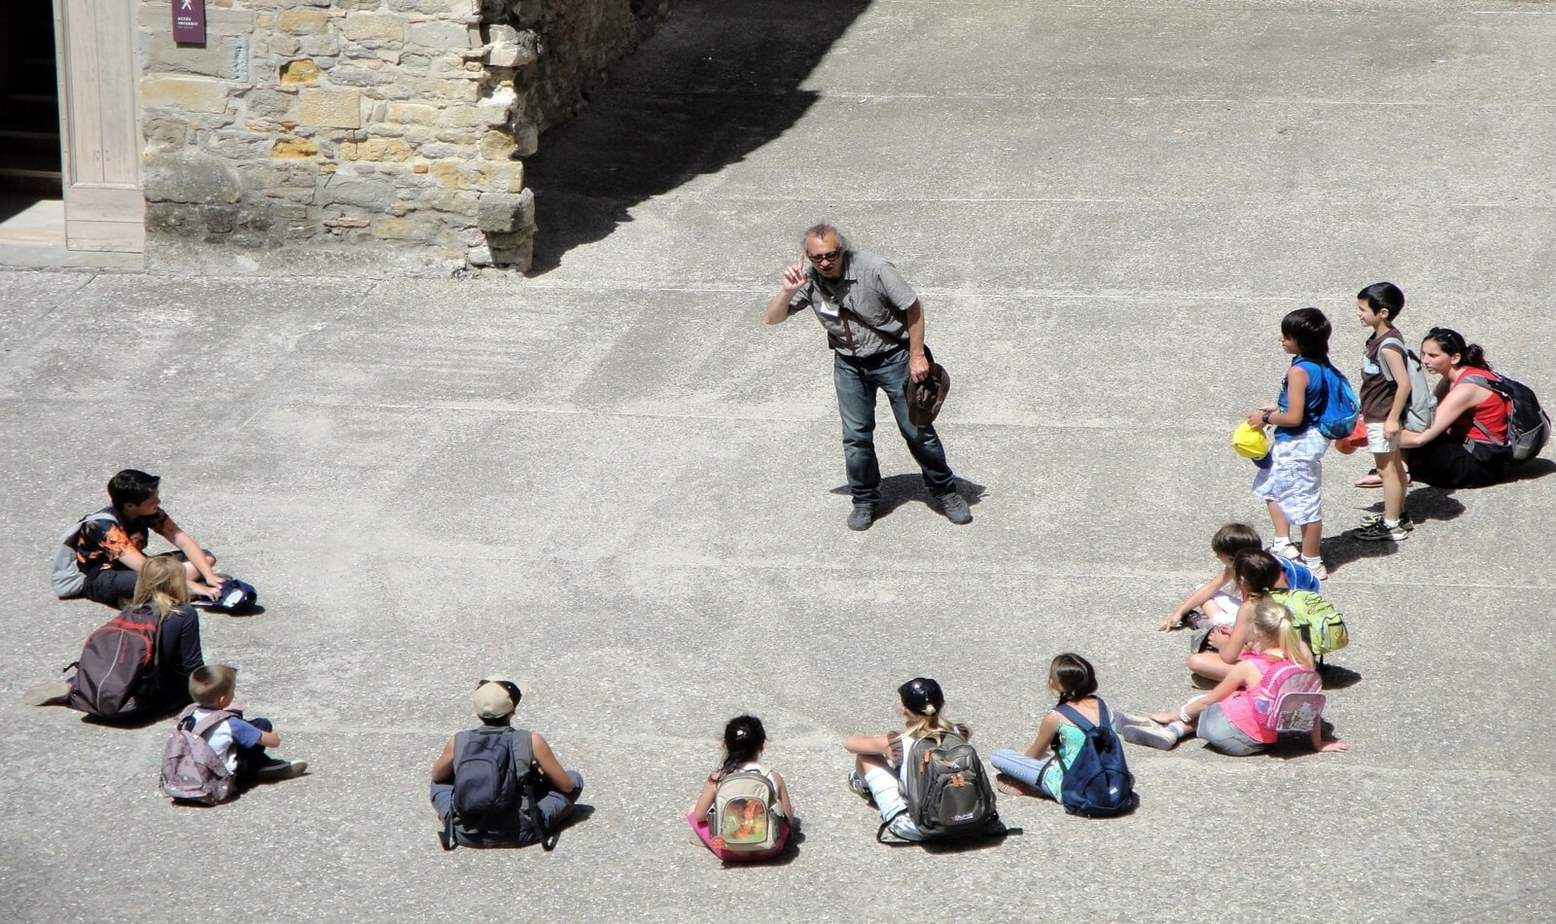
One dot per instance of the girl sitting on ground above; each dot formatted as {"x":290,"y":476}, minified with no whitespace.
{"x":1462,"y":447}
{"x":1237,"y":717}
{"x":1258,"y":572}
{"x":744,"y":739}
{"x":1039,"y":770}
{"x":879,"y":769}
{"x":161,"y":588}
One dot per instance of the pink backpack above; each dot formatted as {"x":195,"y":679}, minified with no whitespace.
{"x":1288,"y":699}
{"x":191,"y":771}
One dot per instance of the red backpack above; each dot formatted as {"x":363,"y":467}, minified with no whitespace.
{"x":118,"y":665}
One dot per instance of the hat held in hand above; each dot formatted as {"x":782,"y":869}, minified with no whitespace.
{"x":926,"y":396}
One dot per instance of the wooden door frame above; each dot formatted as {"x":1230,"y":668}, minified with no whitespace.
{"x":100,"y":138}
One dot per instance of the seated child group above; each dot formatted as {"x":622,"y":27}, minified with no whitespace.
{"x":1259,"y":630}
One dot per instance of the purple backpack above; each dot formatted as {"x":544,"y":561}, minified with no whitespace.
{"x":118,"y":665}
{"x":191,"y":771}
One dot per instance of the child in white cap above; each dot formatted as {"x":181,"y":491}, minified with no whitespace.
{"x":498,"y":786}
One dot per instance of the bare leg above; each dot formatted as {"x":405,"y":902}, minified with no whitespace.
{"x":1312,"y":538}
{"x":1278,"y":521}
{"x":1209,"y":664}
{"x":1391,"y":468}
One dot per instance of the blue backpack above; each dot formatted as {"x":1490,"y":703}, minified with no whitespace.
{"x":1098,"y":782}
{"x":1338,"y":415}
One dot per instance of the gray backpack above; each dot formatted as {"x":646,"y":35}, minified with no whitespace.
{"x":745,"y":812}
{"x":65,"y":576}
{"x":947,"y":791}
{"x":191,"y":771}
{"x":495,"y":791}
{"x":1423,"y":401}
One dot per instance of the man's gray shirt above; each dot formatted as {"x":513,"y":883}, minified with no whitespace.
{"x":864,"y":311}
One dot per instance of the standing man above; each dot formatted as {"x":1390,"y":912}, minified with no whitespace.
{"x":875,"y":327}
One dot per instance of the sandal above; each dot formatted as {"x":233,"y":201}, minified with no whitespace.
{"x":1370,"y":480}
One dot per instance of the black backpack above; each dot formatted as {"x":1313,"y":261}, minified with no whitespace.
{"x":1528,"y":427}
{"x":117,"y":673}
{"x":494,"y":788}
{"x":947,"y":790}
{"x":1097,"y":783}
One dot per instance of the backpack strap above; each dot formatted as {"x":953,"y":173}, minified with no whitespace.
{"x":209,"y":722}
{"x":1383,"y":365}
{"x":529,"y":785}
{"x":1490,"y":386}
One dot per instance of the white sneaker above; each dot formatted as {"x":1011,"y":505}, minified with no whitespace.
{"x":1285,"y":550}
{"x":1152,"y":736}
{"x":1317,"y":567}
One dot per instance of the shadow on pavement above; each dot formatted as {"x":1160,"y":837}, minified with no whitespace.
{"x":1426,"y":505}
{"x":718,"y":81}
{"x":897,"y":490}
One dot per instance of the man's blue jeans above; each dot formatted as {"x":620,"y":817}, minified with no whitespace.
{"x":857,"y":381}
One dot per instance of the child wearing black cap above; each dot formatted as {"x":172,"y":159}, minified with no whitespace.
{"x":880,"y":773}
{"x":549,"y":802}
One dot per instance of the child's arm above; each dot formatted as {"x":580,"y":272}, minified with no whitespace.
{"x":1198,"y":598}
{"x":1044,"y":741}
{"x":704,"y":799}
{"x":783,"y":794}
{"x":867,"y":745}
{"x":549,"y":765}
{"x":269,"y":739}
{"x":1296,"y":403}
{"x":1401,"y":376}
{"x":1449,"y":409}
{"x":1237,"y":639}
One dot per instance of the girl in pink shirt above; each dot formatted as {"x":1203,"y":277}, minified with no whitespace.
{"x":1238,"y":716}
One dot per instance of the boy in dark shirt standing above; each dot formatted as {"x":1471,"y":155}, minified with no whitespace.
{"x":1385,"y":394}
{"x":111,"y":545}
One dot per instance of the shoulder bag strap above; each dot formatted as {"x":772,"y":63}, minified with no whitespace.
{"x":529,"y":784}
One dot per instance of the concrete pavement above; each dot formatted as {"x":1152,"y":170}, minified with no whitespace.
{"x":610,"y":482}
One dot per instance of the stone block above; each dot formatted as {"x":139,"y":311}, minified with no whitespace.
{"x":333,"y":108}
{"x":226,"y":57}
{"x":455,"y":175}
{"x":413,"y":227}
{"x":412,"y":114}
{"x":238,"y":145}
{"x":190,"y":94}
{"x":378,"y":149}
{"x":497,"y":146}
{"x":372,"y":75}
{"x":302,"y":21}
{"x":370,"y":193}
{"x":495,"y":109}
{"x":438,"y":35}
{"x":506,"y":212}
{"x":293,"y":149}
{"x":513,"y":56}
{"x":166,"y":132}
{"x":154,"y":16}
{"x":299,"y":73}
{"x":503,"y":176}
{"x":269,"y":104}
{"x":374,"y":28}
{"x":189,"y":176}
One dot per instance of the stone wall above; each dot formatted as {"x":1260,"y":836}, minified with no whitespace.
{"x":383,"y":132}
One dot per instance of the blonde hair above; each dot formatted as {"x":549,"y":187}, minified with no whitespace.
{"x":210,"y":682}
{"x":162,"y":585}
{"x":928,"y":724}
{"x":1273,"y":628}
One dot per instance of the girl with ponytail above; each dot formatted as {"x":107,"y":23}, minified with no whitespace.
{"x":1462,"y":447}
{"x":1236,"y":717}
{"x":879,"y":769}
{"x":744,"y":740}
{"x":1039,"y":770}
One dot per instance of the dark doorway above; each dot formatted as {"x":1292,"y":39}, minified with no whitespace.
{"x":29,"y":104}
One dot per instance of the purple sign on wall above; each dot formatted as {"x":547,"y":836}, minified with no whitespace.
{"x":189,"y":22}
